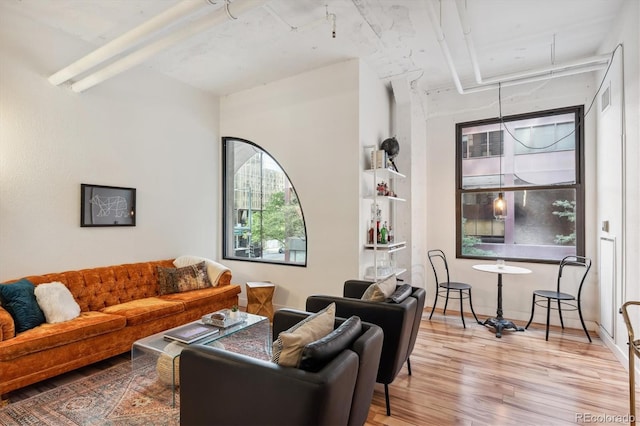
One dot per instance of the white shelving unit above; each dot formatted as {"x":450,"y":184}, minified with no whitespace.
{"x":384,"y":264}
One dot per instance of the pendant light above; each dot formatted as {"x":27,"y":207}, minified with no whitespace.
{"x":500,"y":204}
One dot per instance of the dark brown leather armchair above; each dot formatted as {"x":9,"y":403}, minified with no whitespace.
{"x":399,"y":321}
{"x":225,"y":388}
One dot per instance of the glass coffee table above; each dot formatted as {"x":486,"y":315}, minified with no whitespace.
{"x":251,"y":336}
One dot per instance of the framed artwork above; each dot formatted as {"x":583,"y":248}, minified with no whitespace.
{"x":107,"y":206}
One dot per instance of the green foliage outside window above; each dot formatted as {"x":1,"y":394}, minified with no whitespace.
{"x":568,"y":212}
{"x":277,"y":221}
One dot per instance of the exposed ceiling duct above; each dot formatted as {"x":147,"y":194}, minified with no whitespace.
{"x":589,"y":64}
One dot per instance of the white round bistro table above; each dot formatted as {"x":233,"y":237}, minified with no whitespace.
{"x":498,"y":322}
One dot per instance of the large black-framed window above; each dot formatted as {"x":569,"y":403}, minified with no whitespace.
{"x":262,"y":217}
{"x":536,"y":161}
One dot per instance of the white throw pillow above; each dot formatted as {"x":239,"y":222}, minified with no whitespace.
{"x":214,"y":269}
{"x":57,"y":302}
{"x":381,"y":290}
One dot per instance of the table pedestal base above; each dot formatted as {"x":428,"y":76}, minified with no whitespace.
{"x":501,"y":324}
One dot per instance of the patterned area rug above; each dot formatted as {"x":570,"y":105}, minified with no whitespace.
{"x":116,"y":396}
{"x":123,"y":395}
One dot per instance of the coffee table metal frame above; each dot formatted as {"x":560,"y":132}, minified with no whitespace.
{"x":156,"y":344}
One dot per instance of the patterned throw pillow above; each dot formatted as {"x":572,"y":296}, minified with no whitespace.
{"x":20,"y":301}
{"x":381,"y":290}
{"x":176,"y":280}
{"x":287,"y":349}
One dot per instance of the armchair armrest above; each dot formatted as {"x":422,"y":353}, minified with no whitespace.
{"x":221,"y":387}
{"x":7,"y":325}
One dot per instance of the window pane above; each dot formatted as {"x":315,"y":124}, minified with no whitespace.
{"x":538,"y":151}
{"x":263,"y":218}
{"x":477,"y":145}
{"x":533,"y":161}
{"x":540,"y":224}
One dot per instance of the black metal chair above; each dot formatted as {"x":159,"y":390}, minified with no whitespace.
{"x":571,"y":302}
{"x":438,"y":262}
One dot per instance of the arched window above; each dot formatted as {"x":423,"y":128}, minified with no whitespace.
{"x":262,"y":220}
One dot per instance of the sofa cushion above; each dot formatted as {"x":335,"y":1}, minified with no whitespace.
{"x":47,"y":336}
{"x":144,"y":310}
{"x":380,"y":290}
{"x":198,"y":298}
{"x":19,"y":300}
{"x":56,"y":301}
{"x":214,"y":269}
{"x":175,"y":280}
{"x":400,"y":294}
{"x":316,"y":355}
{"x":287,"y":349}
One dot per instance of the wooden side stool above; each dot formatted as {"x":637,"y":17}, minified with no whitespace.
{"x":259,"y":298}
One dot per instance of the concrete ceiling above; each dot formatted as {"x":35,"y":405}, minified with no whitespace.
{"x":394,"y":37}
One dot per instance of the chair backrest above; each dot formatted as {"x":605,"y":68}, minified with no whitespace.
{"x":399,"y":321}
{"x":574,"y":261}
{"x":368,"y":347}
{"x":438,"y":262}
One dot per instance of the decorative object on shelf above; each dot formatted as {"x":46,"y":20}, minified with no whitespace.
{"x":379,"y":159}
{"x":392,"y":148}
{"x":107,"y":206}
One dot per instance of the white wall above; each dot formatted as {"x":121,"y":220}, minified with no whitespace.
{"x":310,"y":124}
{"x":138,"y":130}
{"x":446,"y":108}
{"x":619,"y":156}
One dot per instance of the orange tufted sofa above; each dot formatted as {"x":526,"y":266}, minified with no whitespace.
{"x":118,"y":305}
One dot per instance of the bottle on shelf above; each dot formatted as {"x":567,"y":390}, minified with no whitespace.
{"x":370,"y":232}
{"x":390,"y":234}
{"x":383,"y":233}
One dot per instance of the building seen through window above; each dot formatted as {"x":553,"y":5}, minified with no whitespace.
{"x":263,"y":219}
{"x":535,"y":161}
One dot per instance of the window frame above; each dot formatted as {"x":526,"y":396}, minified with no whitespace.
{"x":578,"y":186}
{"x":226,"y":220}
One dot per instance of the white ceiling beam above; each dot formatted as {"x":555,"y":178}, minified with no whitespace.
{"x":229,"y":12}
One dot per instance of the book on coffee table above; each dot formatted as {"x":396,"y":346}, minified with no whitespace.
{"x":191,"y":332}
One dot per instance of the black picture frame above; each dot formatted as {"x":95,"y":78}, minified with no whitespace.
{"x":102,"y":205}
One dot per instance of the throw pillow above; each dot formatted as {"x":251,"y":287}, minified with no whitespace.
{"x":401,"y":293}
{"x":214,"y":269}
{"x":316,"y":355}
{"x":176,"y":280}
{"x":57,"y":302}
{"x":287,"y":349}
{"x":19,"y":300}
{"x":381,"y":290}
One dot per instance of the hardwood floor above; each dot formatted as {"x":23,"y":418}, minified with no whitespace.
{"x":470,"y":377}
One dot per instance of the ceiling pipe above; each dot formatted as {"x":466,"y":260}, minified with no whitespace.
{"x":466,"y":30}
{"x":435,"y":21}
{"x":127,"y":40}
{"x":570,"y":68}
{"x":135,"y":58}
